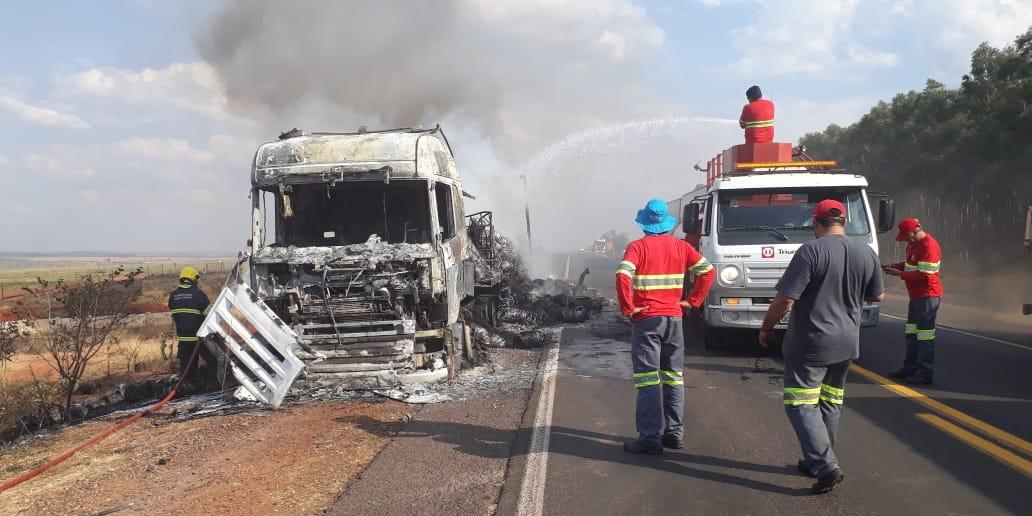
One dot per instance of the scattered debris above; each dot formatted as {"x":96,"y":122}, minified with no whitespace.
{"x":413,"y":393}
{"x":112,"y":510}
{"x":764,"y":366}
{"x":242,"y":394}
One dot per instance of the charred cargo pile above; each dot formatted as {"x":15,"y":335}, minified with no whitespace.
{"x":523,"y":308}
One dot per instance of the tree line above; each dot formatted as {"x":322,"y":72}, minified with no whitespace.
{"x":960,"y":160}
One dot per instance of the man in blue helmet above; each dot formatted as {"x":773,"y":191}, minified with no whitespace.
{"x":650,"y":287}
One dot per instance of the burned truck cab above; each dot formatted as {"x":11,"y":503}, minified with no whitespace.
{"x":358,"y":243}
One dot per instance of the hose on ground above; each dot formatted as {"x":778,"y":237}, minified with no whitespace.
{"x":29,"y":475}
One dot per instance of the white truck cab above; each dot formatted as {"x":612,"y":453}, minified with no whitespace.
{"x":754,"y":213}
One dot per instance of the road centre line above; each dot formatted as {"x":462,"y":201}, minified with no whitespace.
{"x":997,"y":452}
{"x":950,"y":412}
{"x":969,"y":334}
{"x":532,"y":492}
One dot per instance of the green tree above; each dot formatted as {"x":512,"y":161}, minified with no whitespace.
{"x":959,"y":159}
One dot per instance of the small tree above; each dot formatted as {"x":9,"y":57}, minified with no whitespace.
{"x":73,"y":323}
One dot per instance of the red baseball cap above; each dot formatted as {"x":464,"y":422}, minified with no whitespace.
{"x":823,"y":209}
{"x":906,"y":226}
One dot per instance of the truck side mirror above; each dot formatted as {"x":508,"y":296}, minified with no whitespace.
{"x":886,"y":215}
{"x":690,"y":219}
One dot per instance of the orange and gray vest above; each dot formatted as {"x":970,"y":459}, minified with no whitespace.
{"x":758,"y":120}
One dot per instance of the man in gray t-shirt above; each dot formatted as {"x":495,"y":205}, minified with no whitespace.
{"x":825,"y":286}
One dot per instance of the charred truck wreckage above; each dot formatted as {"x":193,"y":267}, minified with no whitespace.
{"x":359,"y":245}
{"x":363,"y":272}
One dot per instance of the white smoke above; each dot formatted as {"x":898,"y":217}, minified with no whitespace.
{"x":506,"y":79}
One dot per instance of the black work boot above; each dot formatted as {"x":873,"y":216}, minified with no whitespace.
{"x":672,"y":441}
{"x":900,"y":374}
{"x":918,"y":380}
{"x":803,"y":468}
{"x":827,"y":483}
{"x":643,"y":447}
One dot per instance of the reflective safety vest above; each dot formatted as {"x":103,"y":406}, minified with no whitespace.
{"x":189,"y":306}
{"x":652,"y":275}
{"x":921,"y":270}
{"x":758,"y":120}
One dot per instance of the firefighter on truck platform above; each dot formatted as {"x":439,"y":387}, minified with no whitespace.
{"x":189,"y":305}
{"x":920,"y":272}
{"x":650,"y":287}
{"x":757,"y":117}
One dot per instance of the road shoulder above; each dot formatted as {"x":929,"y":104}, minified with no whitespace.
{"x":448,"y":458}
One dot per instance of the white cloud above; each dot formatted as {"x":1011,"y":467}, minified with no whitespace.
{"x":799,"y":36}
{"x":60,"y":163}
{"x":956,"y":27}
{"x":620,"y":28}
{"x":863,"y":57}
{"x":903,"y":8}
{"x":40,"y":115}
{"x":164,"y":148}
{"x":116,"y":194}
{"x":90,"y":196}
{"x":778,"y":43}
{"x":4,"y":161}
{"x":194,"y":86}
{"x":40,"y":161}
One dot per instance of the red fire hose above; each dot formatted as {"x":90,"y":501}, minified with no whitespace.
{"x":101,"y":436}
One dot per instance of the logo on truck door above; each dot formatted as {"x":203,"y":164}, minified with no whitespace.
{"x":767,"y":251}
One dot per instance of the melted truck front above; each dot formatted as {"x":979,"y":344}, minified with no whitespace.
{"x":358,"y":244}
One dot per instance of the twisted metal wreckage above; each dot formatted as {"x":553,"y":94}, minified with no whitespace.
{"x":363,"y":272}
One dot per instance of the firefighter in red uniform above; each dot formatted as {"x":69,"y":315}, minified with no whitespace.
{"x":920,"y":272}
{"x":757,"y":117}
{"x":650,"y":287}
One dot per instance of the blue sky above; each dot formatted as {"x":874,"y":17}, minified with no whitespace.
{"x":120,"y":134}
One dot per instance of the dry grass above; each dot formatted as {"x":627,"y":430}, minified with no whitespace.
{"x":28,"y":383}
{"x":18,"y":273}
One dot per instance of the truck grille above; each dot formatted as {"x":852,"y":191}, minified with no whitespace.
{"x":350,"y":309}
{"x":763,"y":275}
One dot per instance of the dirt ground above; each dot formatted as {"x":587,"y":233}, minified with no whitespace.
{"x":294,"y":460}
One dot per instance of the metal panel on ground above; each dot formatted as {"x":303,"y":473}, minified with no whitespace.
{"x":260,"y":345}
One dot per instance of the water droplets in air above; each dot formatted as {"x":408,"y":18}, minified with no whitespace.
{"x":594,"y":180}
{"x":599,"y":142}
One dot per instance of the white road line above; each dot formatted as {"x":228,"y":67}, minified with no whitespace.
{"x":532,"y":493}
{"x":962,"y":332}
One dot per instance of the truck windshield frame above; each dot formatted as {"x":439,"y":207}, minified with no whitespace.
{"x":349,"y":212}
{"x":784,"y":215}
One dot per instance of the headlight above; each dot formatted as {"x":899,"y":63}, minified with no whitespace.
{"x":730,"y":274}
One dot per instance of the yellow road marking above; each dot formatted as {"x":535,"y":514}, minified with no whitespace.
{"x":950,"y":412}
{"x":997,"y":452}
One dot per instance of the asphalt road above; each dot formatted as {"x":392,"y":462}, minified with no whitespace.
{"x":959,"y":447}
